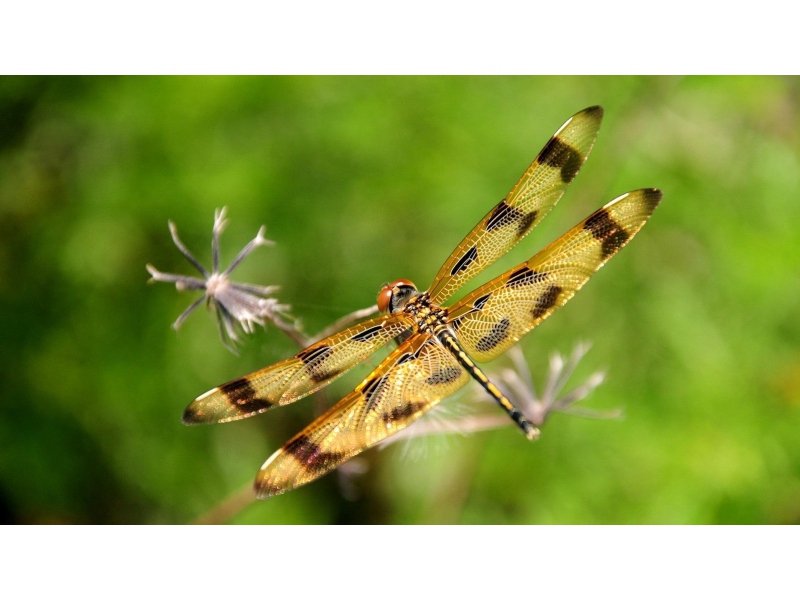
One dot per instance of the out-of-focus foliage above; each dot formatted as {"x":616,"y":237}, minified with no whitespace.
{"x":365,"y":180}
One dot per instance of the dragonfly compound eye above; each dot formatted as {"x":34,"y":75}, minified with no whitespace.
{"x":393,"y":296}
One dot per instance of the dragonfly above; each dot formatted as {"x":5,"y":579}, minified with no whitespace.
{"x":439,"y":347}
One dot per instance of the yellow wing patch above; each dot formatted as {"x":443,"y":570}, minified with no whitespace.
{"x":295,"y":378}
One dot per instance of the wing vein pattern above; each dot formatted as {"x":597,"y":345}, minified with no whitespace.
{"x":495,"y":316}
{"x":409,"y":382}
{"x":296,"y":377}
{"x":528,"y":202}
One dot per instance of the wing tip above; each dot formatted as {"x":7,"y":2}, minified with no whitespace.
{"x":213,"y":407}
{"x":264,"y":486}
{"x":591,"y":117}
{"x":193,"y":415}
{"x":264,"y":489}
{"x":595,"y":111}
{"x":652,"y":197}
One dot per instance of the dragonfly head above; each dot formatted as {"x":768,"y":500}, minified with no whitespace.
{"x":394,"y":296}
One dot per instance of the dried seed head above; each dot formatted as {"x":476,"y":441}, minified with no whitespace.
{"x":239,"y":306}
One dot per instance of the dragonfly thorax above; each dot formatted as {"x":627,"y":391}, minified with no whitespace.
{"x":394,"y":296}
{"x":429,"y":317}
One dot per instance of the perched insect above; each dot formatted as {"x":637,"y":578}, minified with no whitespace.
{"x":439,"y":346}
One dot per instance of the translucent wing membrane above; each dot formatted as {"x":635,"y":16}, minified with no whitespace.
{"x":494,"y":317}
{"x":410,"y":381}
{"x":296,"y":377}
{"x":537,"y":191}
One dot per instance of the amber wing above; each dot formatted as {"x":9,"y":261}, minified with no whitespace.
{"x":410,"y":381}
{"x":495,"y":316}
{"x":296,"y":377}
{"x":528,"y":202}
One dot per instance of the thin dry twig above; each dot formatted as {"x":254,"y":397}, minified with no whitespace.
{"x":346,"y":320}
{"x":228,"y":508}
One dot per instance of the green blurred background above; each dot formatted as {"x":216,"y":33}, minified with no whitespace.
{"x":362,"y":180}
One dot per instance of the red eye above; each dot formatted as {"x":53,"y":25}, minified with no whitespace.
{"x":385,"y":295}
{"x":402,"y":282}
{"x":383,"y":298}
